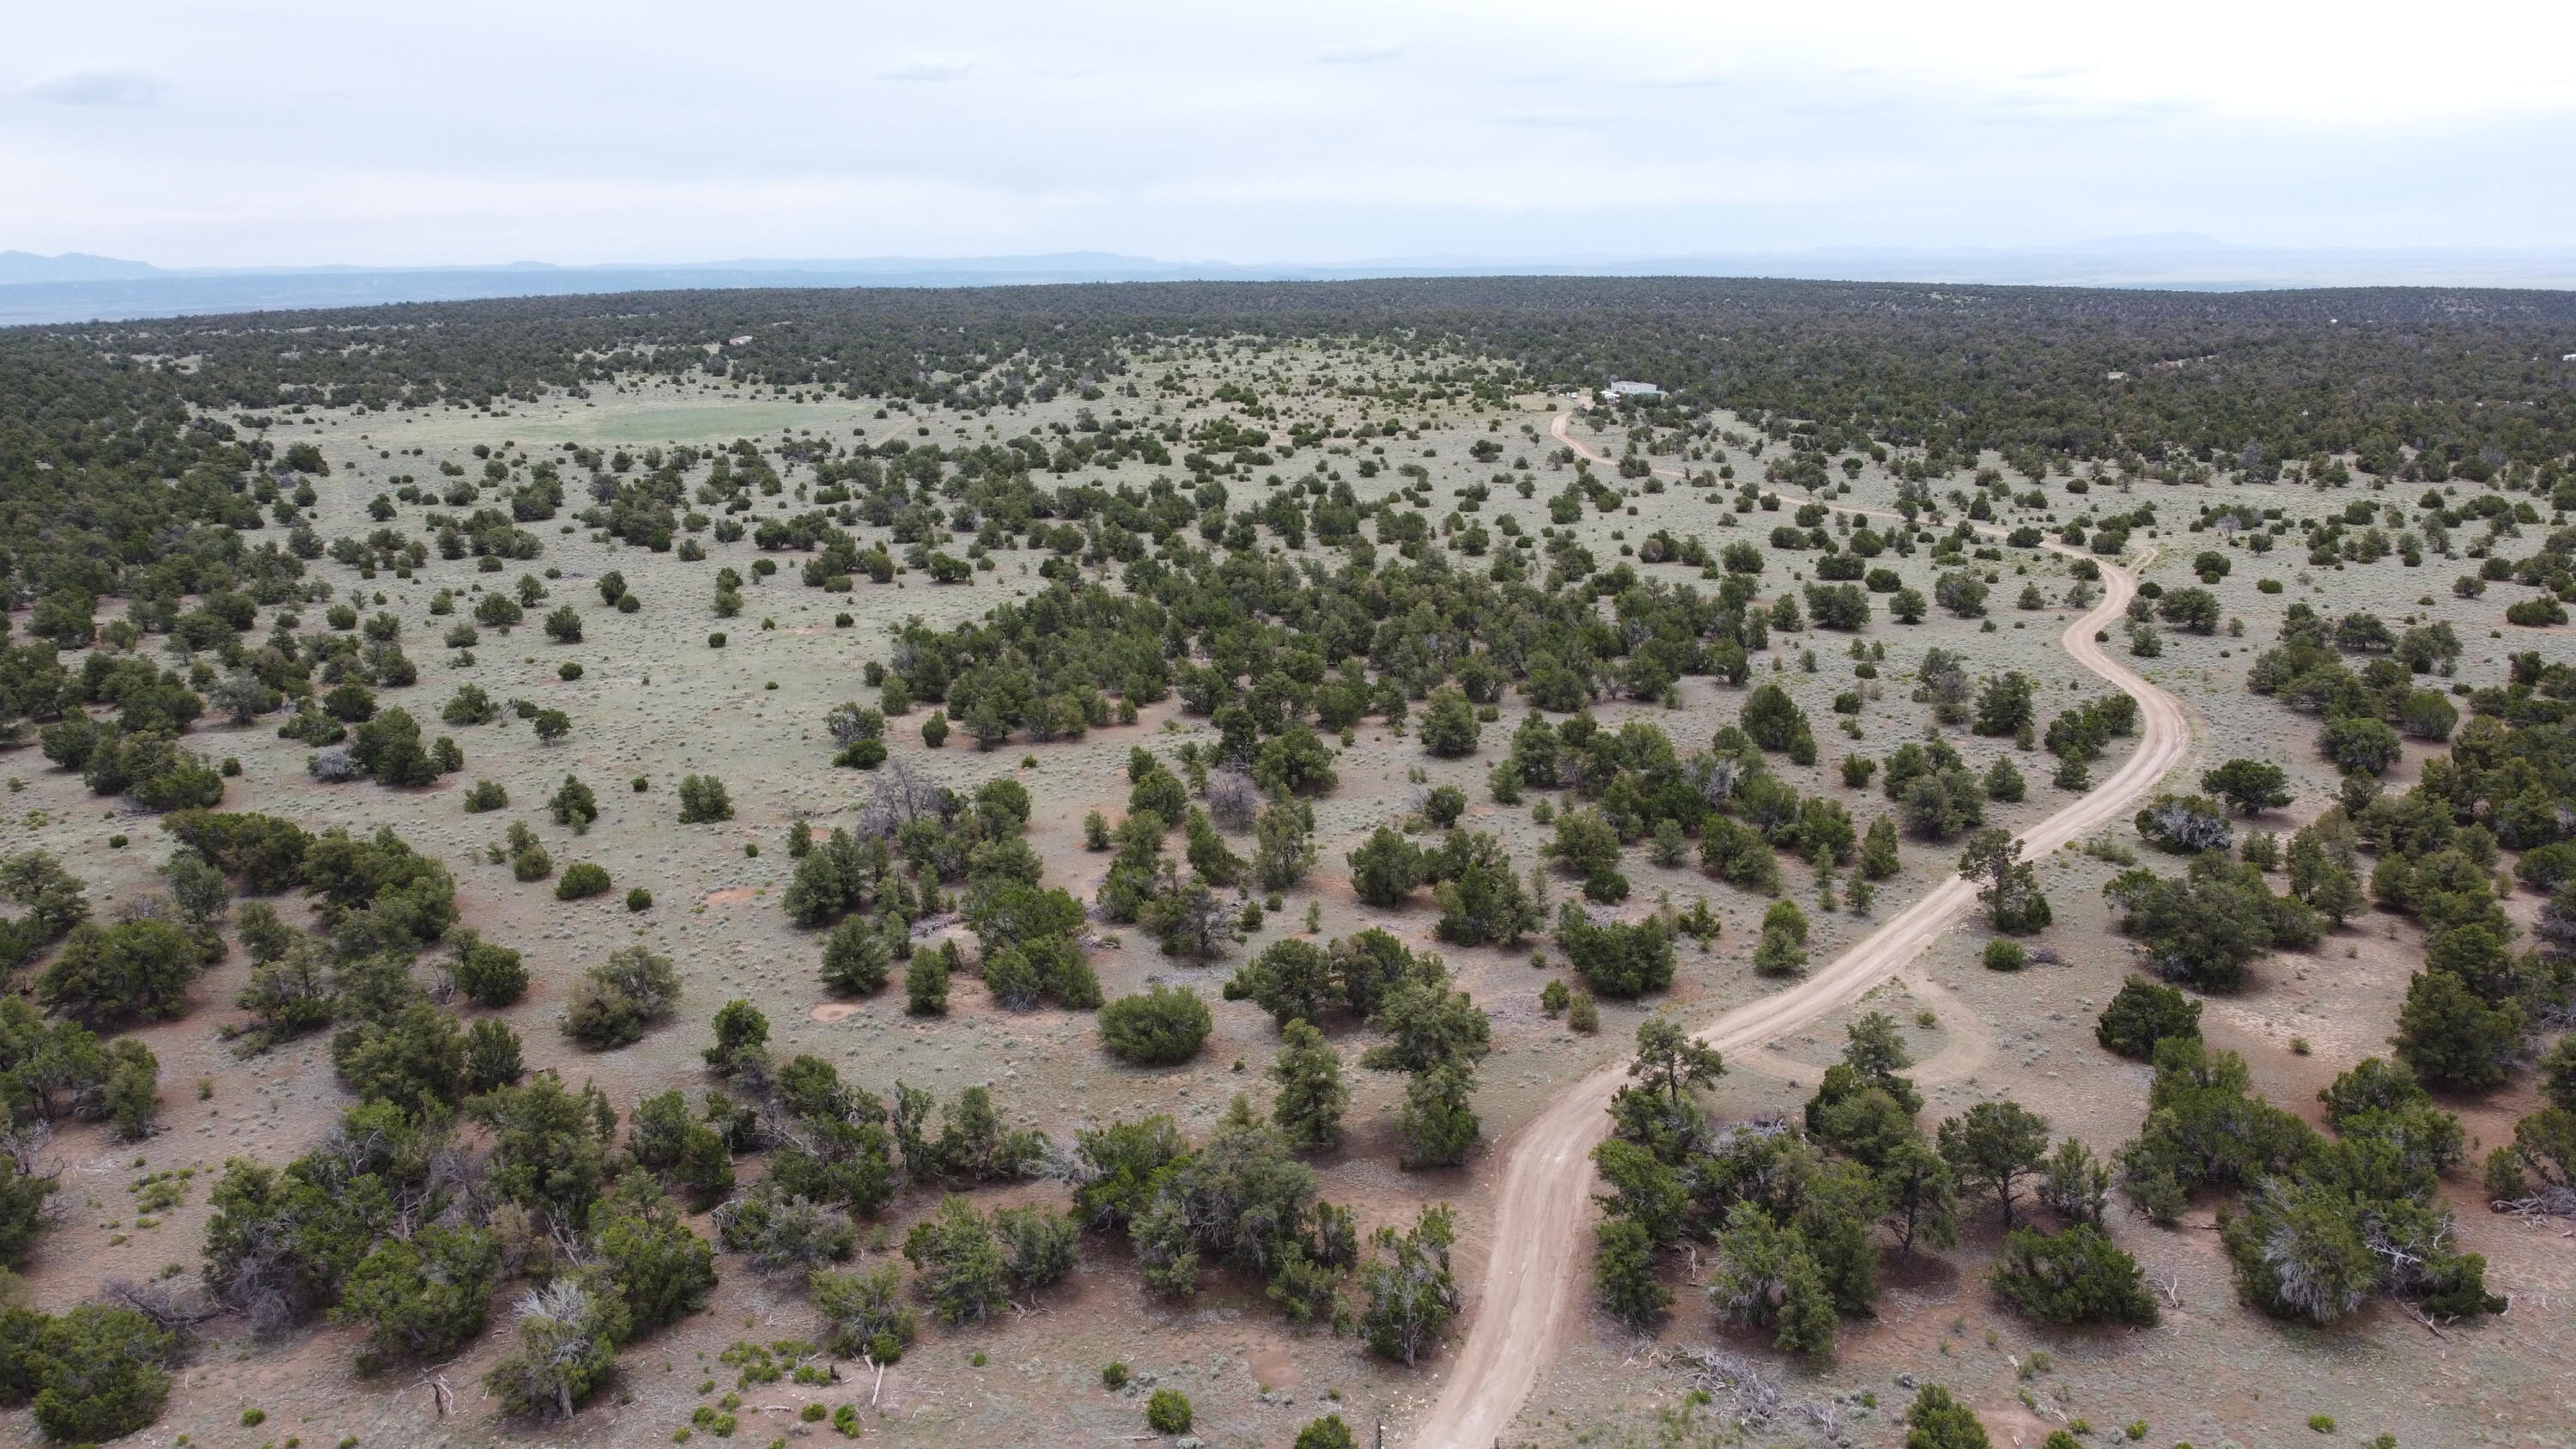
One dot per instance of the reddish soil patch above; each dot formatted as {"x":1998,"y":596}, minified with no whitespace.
{"x":833,"y":1010}
{"x":731,"y":897}
{"x":1273,"y":1368}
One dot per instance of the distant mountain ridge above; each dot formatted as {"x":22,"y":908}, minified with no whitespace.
{"x":17,"y":267}
{"x":77,"y":287}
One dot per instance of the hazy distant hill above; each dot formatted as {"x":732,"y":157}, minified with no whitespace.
{"x":76,"y":287}
{"x":17,"y":267}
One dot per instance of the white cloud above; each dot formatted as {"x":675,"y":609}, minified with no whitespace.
{"x":926,"y":70}
{"x":664,"y":130}
{"x":107,"y":87}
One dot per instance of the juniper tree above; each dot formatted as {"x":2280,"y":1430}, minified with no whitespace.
{"x":1409,"y":1292}
{"x":1308,"y":1110}
{"x":1992,"y":1146}
{"x":1671,"y":1061}
{"x":2008,"y":885}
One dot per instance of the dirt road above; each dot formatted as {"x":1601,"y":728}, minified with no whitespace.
{"x":1544,"y":1204}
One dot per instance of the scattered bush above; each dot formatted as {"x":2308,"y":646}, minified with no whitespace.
{"x":1328,"y":1432}
{"x":1168,"y":1412}
{"x":133,"y":970}
{"x":489,"y":975}
{"x":864,"y":1313}
{"x":702,"y":799}
{"x":2144,"y":1013}
{"x":2185,"y":825}
{"x":581,"y":880}
{"x":92,"y":1374}
{"x":1159,"y":1027}
{"x":617,"y":1001}
{"x":573,"y":804}
{"x":568,"y":1336}
{"x":2076,"y":1276}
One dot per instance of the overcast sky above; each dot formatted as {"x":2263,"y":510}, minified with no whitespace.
{"x":249,"y":132}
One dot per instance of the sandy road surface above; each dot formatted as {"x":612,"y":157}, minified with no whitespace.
{"x":1545,"y":1199}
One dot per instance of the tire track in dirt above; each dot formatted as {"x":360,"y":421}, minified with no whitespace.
{"x":1545,"y":1197}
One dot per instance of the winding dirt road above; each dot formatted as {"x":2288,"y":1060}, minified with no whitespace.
{"x":1545,"y":1198}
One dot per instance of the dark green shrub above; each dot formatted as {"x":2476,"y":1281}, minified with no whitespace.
{"x":573,"y":804}
{"x":2076,"y":1276}
{"x":1168,"y":1412}
{"x":22,"y":1209}
{"x":423,"y":1297}
{"x":740,"y":1027}
{"x":702,"y":799}
{"x":1328,"y":1432}
{"x":489,"y":975}
{"x":1449,"y":729}
{"x":857,"y":957}
{"x":492,"y":1057}
{"x":666,"y":1139}
{"x":138,"y":969}
{"x":1445,"y":805}
{"x":96,"y":1373}
{"x":1618,"y":960}
{"x":529,"y":861}
{"x":290,"y":991}
{"x":1159,"y":1027}
{"x":925,"y":984}
{"x":661,"y":1269}
{"x":1386,"y":869}
{"x":413,"y":1058}
{"x":1938,"y":1421}
{"x":581,"y":880}
{"x":2144,"y":1013}
{"x":1583,"y":1014}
